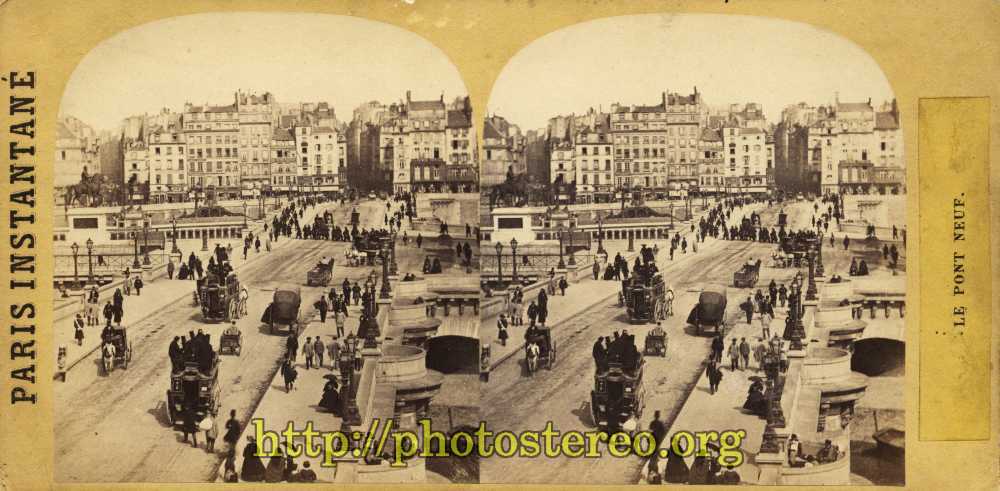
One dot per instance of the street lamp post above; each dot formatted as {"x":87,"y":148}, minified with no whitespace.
{"x":572,"y":252}
{"x":145,"y":239}
{"x":562,"y":265}
{"x":513,"y":255}
{"x":173,"y":223}
{"x":386,"y":289}
{"x":90,"y":264}
{"x":600,"y":235}
{"x":76,"y":278}
{"x":499,"y":249}
{"x":135,"y":249}
{"x":244,"y":214}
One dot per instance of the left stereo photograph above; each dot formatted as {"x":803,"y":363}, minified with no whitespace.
{"x":265,"y":255}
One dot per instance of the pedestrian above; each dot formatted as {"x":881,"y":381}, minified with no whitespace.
{"x":232,"y":431}
{"x":759,"y":351}
{"x":714,"y":377}
{"x":211,"y":429}
{"x":747,"y":307}
{"x":745,"y":352}
{"x":502,"y":330}
{"x":127,"y":282}
{"x":847,"y":242}
{"x":717,"y":346}
{"x":138,"y":286}
{"x":334,"y":351}
{"x":532,"y":314}
{"x":189,"y":426}
{"x":256,"y":244}
{"x":658,"y":428}
{"x":765,"y":322}
{"x":109,"y":312}
{"x":322,"y":307}
{"x":307,"y":350}
{"x":292,"y":346}
{"x":734,"y":356}
{"x":596,"y":269}
{"x":338,"y":317}
{"x":78,"y":328}
{"x":563,"y":285}
{"x":289,"y":373}
{"x":170,"y":269}
{"x":319,"y":349}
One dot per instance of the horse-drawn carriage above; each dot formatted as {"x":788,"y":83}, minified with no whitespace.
{"x":284,"y":309}
{"x":618,"y":395}
{"x":645,"y":297}
{"x":321,"y":273}
{"x":231,"y":341}
{"x":220,"y":300}
{"x":710,"y":310}
{"x":747,"y":275}
{"x":656,"y":342}
{"x":320,"y":228}
{"x":116,"y":349}
{"x":193,"y":390}
{"x":541,"y":336}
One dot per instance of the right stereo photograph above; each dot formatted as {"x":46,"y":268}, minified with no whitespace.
{"x":693,"y":258}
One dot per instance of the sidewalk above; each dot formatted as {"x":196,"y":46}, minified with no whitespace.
{"x":300,"y":406}
{"x":158,"y":294}
{"x":722,"y":411}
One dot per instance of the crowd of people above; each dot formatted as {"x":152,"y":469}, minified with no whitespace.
{"x":619,"y":348}
{"x":193,"y":348}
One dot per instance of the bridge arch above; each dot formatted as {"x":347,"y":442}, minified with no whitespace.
{"x":453,"y":354}
{"x":879,"y":357}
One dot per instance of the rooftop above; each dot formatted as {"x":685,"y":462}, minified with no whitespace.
{"x":886,"y":121}
{"x":853,"y":106}
{"x":458,"y":119}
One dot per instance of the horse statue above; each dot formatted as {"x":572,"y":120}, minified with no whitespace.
{"x":88,"y":192}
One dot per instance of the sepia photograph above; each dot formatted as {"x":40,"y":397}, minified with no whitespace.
{"x":263,"y":222}
{"x":694,"y":231}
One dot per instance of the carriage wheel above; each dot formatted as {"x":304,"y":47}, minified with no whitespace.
{"x":170,"y":409}
{"x":593,"y":411}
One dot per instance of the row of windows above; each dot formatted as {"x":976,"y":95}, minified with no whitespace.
{"x":219,"y":152}
{"x":661,"y":139}
{"x":157,"y":165}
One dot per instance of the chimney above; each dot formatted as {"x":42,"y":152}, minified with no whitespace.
{"x":664,"y":99}
{"x":407,"y":97}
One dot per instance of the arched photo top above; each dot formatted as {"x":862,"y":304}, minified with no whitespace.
{"x":346,"y":77}
{"x":298,"y":57}
{"x":732,"y":58}
{"x":664,"y":93}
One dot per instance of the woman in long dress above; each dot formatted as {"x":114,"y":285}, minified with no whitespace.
{"x":252,"y":469}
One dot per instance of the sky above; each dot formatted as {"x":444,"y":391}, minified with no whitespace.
{"x":297,"y":57}
{"x":731,"y":59}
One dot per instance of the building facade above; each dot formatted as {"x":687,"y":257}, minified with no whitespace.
{"x":167,"y":166}
{"x":255,"y":122}
{"x":284,"y":168}
{"x":748,"y":156}
{"x":653,"y":143}
{"x":212,"y":138}
{"x":594,"y":166}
